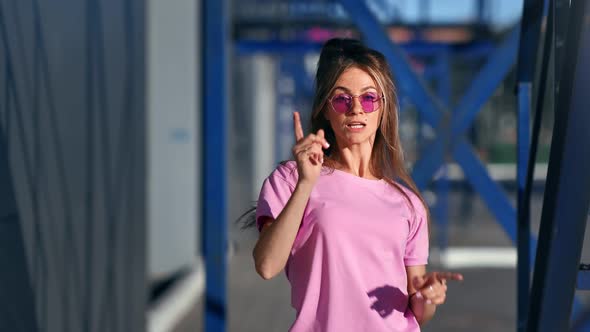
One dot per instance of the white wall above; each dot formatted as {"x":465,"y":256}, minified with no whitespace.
{"x":264,"y":110}
{"x":173,"y":60}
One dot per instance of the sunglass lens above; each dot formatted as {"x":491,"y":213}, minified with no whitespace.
{"x":369,"y":101}
{"x":341,"y":103}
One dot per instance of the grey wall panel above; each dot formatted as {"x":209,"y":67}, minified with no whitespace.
{"x":72,"y":93}
{"x":264,"y":109}
{"x":17,"y":308}
{"x":172,"y":136}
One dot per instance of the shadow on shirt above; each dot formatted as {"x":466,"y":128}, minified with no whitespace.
{"x":388,"y":299}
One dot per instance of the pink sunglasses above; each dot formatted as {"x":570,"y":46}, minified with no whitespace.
{"x":342,"y":103}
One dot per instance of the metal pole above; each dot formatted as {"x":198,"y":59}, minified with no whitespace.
{"x":215,"y":41}
{"x":443,"y":85}
{"x":524,"y":223}
{"x":531,"y":28}
{"x":567,"y":198}
{"x":527,"y":55}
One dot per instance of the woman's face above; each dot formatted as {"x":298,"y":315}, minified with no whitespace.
{"x":356,"y":126}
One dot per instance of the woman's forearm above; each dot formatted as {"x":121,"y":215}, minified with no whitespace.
{"x":422,"y":311}
{"x":276,"y":240}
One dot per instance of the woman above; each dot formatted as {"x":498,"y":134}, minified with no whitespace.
{"x":353,"y":240}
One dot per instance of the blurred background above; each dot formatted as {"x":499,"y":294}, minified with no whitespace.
{"x":135,"y":133}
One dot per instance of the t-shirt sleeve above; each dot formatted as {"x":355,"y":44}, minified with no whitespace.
{"x":417,"y":244}
{"x":275,"y":192}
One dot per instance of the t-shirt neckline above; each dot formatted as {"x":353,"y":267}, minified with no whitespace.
{"x":358,"y":178}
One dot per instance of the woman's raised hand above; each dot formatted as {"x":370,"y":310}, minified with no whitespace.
{"x":433,"y":286}
{"x":308,"y":152}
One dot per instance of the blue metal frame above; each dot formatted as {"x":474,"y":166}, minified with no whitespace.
{"x":527,"y":54}
{"x":583,"y":282}
{"x":451,"y":126}
{"x":474,"y":50}
{"x":442,"y":187}
{"x":430,"y":107}
{"x":524,"y":223}
{"x":441,"y":75}
{"x":567,"y":196}
{"x":485,"y":83}
{"x":438,"y":71}
{"x":215,"y":41}
{"x":285,"y":102}
{"x":433,"y":111}
{"x":581,"y":323}
{"x":249,"y":47}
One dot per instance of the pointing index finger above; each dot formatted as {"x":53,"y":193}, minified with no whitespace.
{"x":297,"y":129}
{"x":449,"y":276}
{"x":322,"y":139}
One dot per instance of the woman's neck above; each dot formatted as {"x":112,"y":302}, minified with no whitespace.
{"x":355,"y":161}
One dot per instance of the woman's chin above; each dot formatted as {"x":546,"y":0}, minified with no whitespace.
{"x":355,"y":140}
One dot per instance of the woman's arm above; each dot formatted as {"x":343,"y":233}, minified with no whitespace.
{"x":427,"y":290}
{"x":422,"y":310}
{"x":277,"y":236}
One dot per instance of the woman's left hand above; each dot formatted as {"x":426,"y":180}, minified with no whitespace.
{"x":433,"y":286}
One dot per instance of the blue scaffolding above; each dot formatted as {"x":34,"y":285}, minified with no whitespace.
{"x":215,"y":63}
{"x":450,"y":125}
{"x":567,"y":198}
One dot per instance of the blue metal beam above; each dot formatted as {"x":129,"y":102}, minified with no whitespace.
{"x":567,"y":195}
{"x":474,"y":49}
{"x":490,"y":191}
{"x":526,"y":67}
{"x":407,"y":81}
{"x":484,"y":85}
{"x":248,"y":47}
{"x":527,"y":55}
{"x":532,"y":15}
{"x":486,"y":81}
{"x":295,"y":67}
{"x":523,"y":224}
{"x":425,"y":167}
{"x":443,"y":75}
{"x":440,"y":73}
{"x":441,"y":210}
{"x":582,"y":323}
{"x":215,"y":41}
{"x":583,"y":282}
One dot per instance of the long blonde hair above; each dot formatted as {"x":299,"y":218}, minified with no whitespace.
{"x":387,"y":158}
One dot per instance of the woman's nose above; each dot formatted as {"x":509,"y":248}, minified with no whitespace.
{"x":356,"y":108}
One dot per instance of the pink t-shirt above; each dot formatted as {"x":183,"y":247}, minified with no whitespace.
{"x":347,"y":264}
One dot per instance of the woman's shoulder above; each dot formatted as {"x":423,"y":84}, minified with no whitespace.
{"x":287,"y":171}
{"x":415,"y":203}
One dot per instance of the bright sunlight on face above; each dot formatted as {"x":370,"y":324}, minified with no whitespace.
{"x":355,"y":128}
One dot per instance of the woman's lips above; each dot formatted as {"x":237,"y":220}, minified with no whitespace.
{"x":355,"y":126}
